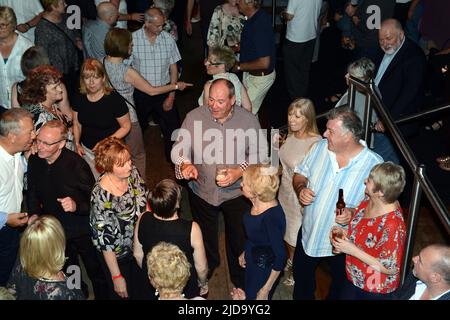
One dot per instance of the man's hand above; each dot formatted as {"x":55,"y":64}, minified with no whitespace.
{"x":68,"y":204}
{"x":379,"y":126}
{"x":306,"y":196}
{"x":233,"y":174}
{"x":189,"y":171}
{"x":79,"y":148}
{"x":168,"y":103}
{"x":345,"y":217}
{"x":17,"y":219}
{"x":136,"y":17}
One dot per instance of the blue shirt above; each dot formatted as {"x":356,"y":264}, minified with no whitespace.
{"x":325,"y":178}
{"x":3,"y":219}
{"x":257,"y":39}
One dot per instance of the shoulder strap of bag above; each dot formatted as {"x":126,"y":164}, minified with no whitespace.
{"x":114,"y":88}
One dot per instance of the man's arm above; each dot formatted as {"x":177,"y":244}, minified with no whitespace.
{"x":261,"y":63}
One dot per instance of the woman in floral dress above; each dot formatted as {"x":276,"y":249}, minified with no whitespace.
{"x":375,"y":238}
{"x":119,"y":197}
{"x":226,"y":26}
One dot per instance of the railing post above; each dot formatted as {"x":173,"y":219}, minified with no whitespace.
{"x":351,"y":96}
{"x":412,"y":222}
{"x":367,"y":119}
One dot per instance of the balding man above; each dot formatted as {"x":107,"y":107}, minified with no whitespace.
{"x":231,"y":138}
{"x":155,"y":56}
{"x":94,"y":32}
{"x":430,"y":278}
{"x":400,"y":78}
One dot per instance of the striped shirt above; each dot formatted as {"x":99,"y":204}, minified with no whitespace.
{"x":153,"y":60}
{"x":325,"y":178}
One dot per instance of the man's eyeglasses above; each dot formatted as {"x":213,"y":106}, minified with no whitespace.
{"x":47,"y":144}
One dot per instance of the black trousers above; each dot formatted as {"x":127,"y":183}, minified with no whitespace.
{"x":207,"y":215}
{"x":169,"y":121}
{"x":297,"y":63}
{"x":83,"y":246}
{"x":9,"y":247}
{"x":304,"y":270}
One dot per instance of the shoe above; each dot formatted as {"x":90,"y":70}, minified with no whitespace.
{"x":289,"y":281}
{"x":443,"y":159}
{"x":152,"y":123}
{"x":435,"y":126}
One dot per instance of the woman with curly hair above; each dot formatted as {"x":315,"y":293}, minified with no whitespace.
{"x":41,"y":95}
{"x":119,"y":197}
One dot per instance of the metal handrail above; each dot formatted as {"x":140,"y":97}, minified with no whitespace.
{"x":421,"y":181}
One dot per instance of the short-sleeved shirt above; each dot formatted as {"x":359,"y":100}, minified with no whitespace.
{"x":153,"y":60}
{"x":381,"y":237}
{"x":257,"y":38}
{"x":325,"y":178}
{"x":98,"y":119}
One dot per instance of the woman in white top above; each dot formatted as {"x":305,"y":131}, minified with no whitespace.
{"x":303,"y":133}
{"x":12,"y":47}
{"x":219,"y":61}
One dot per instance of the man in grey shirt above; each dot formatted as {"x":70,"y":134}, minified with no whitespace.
{"x":210,"y":136}
{"x":94,"y":31}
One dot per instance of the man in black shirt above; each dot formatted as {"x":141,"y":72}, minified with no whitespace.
{"x":60,"y":183}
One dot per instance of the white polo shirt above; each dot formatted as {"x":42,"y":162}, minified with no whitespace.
{"x":303,"y":27}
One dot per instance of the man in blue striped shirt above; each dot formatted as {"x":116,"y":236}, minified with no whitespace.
{"x":340,"y":161}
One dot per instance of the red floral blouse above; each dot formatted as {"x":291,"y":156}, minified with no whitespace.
{"x":382,"y":237}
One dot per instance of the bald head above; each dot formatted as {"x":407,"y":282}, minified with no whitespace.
{"x":441,"y":260}
{"x":390,"y":36}
{"x":153,"y":14}
{"x":107,"y":12}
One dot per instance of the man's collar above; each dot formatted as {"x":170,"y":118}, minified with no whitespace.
{"x":230,"y":115}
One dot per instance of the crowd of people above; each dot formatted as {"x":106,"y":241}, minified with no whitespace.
{"x":75,"y":104}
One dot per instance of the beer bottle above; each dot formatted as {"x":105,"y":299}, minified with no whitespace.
{"x":340,"y":204}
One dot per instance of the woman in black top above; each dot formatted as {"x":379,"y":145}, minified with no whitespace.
{"x":164,"y":224}
{"x":99,"y":112}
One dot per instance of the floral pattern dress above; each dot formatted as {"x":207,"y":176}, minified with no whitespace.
{"x":224,"y":29}
{"x":24,"y":287}
{"x":113,"y":218}
{"x":382,"y":237}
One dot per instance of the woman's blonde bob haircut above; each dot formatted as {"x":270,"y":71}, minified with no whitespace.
{"x":42,"y":247}
{"x":263,"y":181}
{"x":389,"y":178}
{"x":305,"y":107}
{"x":93,"y":68}
{"x":168,"y":268}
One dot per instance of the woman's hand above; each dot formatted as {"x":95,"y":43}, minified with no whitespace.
{"x":120,"y":287}
{"x":182,"y":85}
{"x":306,"y":196}
{"x":237,"y":294}
{"x":79,"y":148}
{"x":343,"y":245}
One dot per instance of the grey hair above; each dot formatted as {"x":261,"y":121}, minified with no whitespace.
{"x":256,"y":3}
{"x":10,"y":121}
{"x":350,"y":121}
{"x":152,"y":13}
{"x":166,"y":6}
{"x":442,"y":263}
{"x":363,"y":69}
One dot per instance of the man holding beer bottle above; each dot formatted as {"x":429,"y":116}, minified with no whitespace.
{"x":340,"y":161}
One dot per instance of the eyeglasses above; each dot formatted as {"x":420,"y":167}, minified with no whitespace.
{"x":4,"y":25}
{"x":47,"y":144}
{"x":213,"y":63}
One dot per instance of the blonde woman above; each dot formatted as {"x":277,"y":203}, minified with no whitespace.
{"x":303,"y":133}
{"x":39,"y":274}
{"x":264,"y":256}
{"x":169,"y":271}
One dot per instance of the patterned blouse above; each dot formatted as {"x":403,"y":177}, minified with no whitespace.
{"x":24,"y":287}
{"x":224,"y":29}
{"x":113,"y":218}
{"x":382,"y":237}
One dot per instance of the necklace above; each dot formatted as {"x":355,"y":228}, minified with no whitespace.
{"x":120,"y":189}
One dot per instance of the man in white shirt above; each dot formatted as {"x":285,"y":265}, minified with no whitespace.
{"x":430,"y":278}
{"x":302,"y":25}
{"x":16,"y":135}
